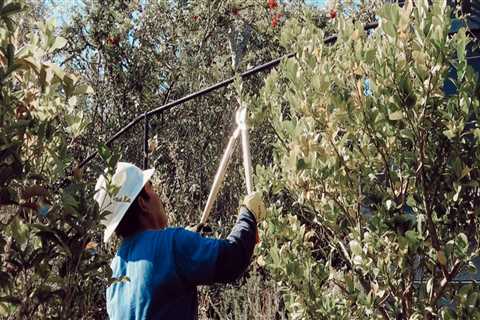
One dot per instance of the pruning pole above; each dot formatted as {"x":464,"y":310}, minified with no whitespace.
{"x":241,"y":118}
{"x":247,"y":159}
{"x":220,"y":175}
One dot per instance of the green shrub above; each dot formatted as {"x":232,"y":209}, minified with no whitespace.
{"x":375,"y":170}
{"x":50,"y":266}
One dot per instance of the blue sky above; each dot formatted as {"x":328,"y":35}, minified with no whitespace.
{"x":62,"y":9}
{"x":317,"y":2}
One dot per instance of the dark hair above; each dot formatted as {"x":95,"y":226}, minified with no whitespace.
{"x":130,"y":223}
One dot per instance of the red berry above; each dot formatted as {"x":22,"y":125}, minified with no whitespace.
{"x":333,"y":14}
{"x":272,"y":4}
{"x":276,"y":19}
{"x":114,"y":41}
{"x":195,"y":18}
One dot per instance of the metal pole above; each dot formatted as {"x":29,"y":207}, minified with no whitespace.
{"x":224,"y":83}
{"x":113,"y":138}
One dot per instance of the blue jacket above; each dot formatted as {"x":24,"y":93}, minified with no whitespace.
{"x":165,"y":267}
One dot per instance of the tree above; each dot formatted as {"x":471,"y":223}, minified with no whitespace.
{"x":139,"y":56}
{"x":50,"y":268}
{"x":375,"y":170}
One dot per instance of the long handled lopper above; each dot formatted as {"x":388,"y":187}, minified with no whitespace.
{"x":242,"y":131}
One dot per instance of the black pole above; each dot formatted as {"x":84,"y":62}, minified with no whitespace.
{"x":219,"y":85}
{"x":224,"y":83}
{"x":113,"y":138}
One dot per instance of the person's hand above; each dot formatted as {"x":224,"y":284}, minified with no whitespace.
{"x":255,"y":205}
{"x":200,"y":228}
{"x":194,"y":228}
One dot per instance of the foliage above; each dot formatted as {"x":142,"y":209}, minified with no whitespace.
{"x":375,"y":170}
{"x":50,"y":268}
{"x":141,"y":55}
{"x":133,"y":56}
{"x":255,"y":297}
{"x":373,"y":175}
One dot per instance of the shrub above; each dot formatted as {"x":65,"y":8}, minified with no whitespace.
{"x":50,"y":266}
{"x":375,"y":169}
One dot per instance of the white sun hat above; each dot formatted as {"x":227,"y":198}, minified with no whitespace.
{"x":130,"y":180}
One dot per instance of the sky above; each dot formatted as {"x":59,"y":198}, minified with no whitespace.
{"x":62,"y":9}
{"x":317,"y":2}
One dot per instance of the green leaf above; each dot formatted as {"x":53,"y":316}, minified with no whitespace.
{"x":462,"y":242}
{"x":30,"y":62}
{"x":395,"y":116}
{"x":301,"y":164}
{"x":83,"y":89}
{"x":355,"y":248}
{"x":69,"y":200}
{"x":450,"y":134}
{"x":19,"y":230}
{"x":412,"y":237}
{"x":58,"y":43}
{"x":447,"y":314}
{"x":56,"y":70}
{"x":357,"y":260}
{"x":389,"y":29}
{"x":69,"y":81}
{"x":370,"y":56}
{"x":104,"y":152}
{"x":291,"y":69}
{"x":429,"y":286}
{"x":457,"y":193}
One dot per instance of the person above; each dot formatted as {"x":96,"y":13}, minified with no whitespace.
{"x":158,"y":268}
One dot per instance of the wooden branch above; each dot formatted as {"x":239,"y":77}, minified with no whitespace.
{"x":446,"y":280}
{"x":426,"y":199}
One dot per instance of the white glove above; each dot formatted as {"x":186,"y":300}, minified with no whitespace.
{"x":255,"y":205}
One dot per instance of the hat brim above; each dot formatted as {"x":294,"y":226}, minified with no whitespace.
{"x":120,"y":212}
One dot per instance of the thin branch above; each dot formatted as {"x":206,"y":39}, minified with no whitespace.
{"x":445,"y":281}
{"x":278,"y":135}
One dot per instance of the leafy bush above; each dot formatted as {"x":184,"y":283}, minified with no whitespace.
{"x":50,"y":265}
{"x":254,"y":297}
{"x":375,"y":170}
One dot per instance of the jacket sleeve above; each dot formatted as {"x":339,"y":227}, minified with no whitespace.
{"x":204,"y":261}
